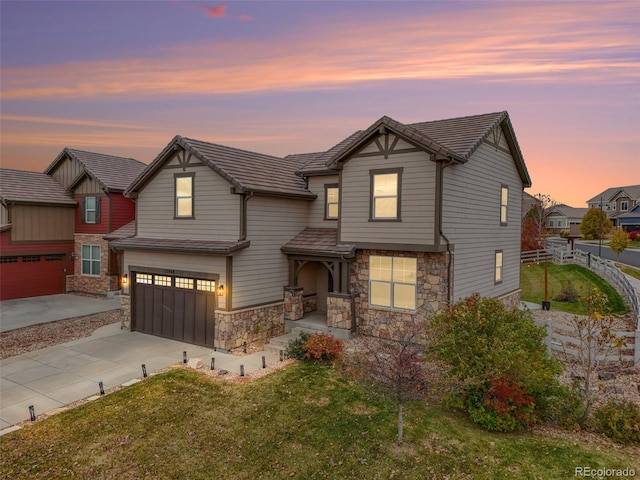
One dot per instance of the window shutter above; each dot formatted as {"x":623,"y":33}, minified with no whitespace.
{"x":98,"y":209}
{"x":83,"y":211}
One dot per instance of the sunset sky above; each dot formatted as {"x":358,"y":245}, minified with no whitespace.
{"x":124,"y":78}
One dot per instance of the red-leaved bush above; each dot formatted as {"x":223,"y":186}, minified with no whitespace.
{"x":633,"y":235}
{"x":322,"y":347}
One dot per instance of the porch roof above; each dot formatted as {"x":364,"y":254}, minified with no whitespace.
{"x":318,"y":242}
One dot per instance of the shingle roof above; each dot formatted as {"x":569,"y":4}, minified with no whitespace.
{"x":455,"y":138}
{"x":632,"y":190}
{"x":113,"y":173}
{"x":567,"y":211}
{"x":318,"y":241}
{"x":247,"y":171}
{"x":181,"y":246}
{"x":317,"y":162}
{"x":21,"y":186}
{"x":128,"y":230}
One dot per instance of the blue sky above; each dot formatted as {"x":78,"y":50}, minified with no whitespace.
{"x":124,"y":77}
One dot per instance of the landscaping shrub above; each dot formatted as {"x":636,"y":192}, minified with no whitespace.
{"x":634,"y":235}
{"x":568,"y":293}
{"x":620,"y":421}
{"x":483,"y":340}
{"x":322,"y":347}
{"x":295,"y":348}
{"x":501,"y":405}
{"x":565,"y":407}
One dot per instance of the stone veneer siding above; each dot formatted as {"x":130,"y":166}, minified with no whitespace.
{"x":248,"y":325}
{"x":339,"y":308}
{"x":293,"y":303}
{"x":511,"y":300}
{"x":310,"y":303}
{"x":95,"y":284}
{"x":431,"y":290}
{"x":125,"y":309}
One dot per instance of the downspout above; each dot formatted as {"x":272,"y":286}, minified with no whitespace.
{"x":449,"y":251}
{"x":243,"y":216}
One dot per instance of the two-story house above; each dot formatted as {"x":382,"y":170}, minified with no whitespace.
{"x":389,"y":226}
{"x":96,"y":183}
{"x":620,"y":204}
{"x":36,"y":234}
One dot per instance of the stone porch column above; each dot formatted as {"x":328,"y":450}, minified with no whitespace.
{"x":293,"y":303}
{"x":339,"y":308}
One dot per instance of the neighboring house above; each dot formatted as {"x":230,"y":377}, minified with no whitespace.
{"x":630,"y":220}
{"x":96,"y":182}
{"x":618,"y":202}
{"x":529,"y":202}
{"x":561,"y":217}
{"x":36,"y":234}
{"x":389,"y":226}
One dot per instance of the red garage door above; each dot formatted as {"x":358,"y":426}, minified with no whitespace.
{"x":31,"y":275}
{"x":175,"y":307}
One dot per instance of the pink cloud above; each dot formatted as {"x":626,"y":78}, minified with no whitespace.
{"x":217,"y":11}
{"x":245,"y":18}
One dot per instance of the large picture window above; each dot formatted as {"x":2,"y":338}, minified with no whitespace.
{"x":385,"y":194}
{"x":392,"y":282}
{"x":184,"y":195}
{"x":91,"y":259}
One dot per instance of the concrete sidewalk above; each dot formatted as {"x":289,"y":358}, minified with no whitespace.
{"x":23,"y":312}
{"x":54,"y":377}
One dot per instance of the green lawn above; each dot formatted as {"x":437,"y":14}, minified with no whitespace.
{"x":629,"y":270}
{"x":583,"y":279}
{"x":302,"y":422}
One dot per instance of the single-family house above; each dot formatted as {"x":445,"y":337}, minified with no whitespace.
{"x":618,"y":202}
{"x":96,"y":183}
{"x":561,"y":217}
{"x":390,"y":225}
{"x":36,"y":234}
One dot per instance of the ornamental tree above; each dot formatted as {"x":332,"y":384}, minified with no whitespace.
{"x":595,"y":224}
{"x":619,"y":241}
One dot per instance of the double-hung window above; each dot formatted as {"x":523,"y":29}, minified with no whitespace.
{"x":184,"y":195}
{"x":392,"y":282}
{"x":332,"y":195}
{"x":386,"y":186}
{"x":91,"y":259}
{"x":504,"y":204}
{"x":624,"y":206}
{"x":90,"y":210}
{"x":498,"y":267}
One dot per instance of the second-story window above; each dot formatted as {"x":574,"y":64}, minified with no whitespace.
{"x":624,"y":206}
{"x":91,"y":210}
{"x":386,"y":186}
{"x":332,"y":196}
{"x":504,"y":204}
{"x":184,"y":195}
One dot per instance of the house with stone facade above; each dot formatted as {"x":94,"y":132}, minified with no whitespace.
{"x":388,"y":226}
{"x":95,"y":182}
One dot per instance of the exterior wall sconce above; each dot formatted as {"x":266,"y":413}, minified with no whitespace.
{"x":125,"y":279}
{"x":221,"y":291}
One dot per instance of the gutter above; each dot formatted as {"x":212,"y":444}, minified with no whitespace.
{"x":441,"y":232}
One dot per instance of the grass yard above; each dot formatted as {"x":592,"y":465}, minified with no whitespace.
{"x":584,"y":280}
{"x":303,"y":422}
{"x":629,"y":270}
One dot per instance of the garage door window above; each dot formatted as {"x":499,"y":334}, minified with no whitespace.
{"x":184,"y":283}
{"x":162,"y":280}
{"x":91,"y":259}
{"x":206,"y":285}
{"x":144,"y":278}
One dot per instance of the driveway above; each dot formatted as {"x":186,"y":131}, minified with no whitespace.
{"x":23,"y":312}
{"x":54,"y":377}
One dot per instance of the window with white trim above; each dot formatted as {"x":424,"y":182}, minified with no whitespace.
{"x":90,"y":210}
{"x":624,"y":206}
{"x":392,"y":282}
{"x":90,"y":259}
{"x":504,"y":204}
{"x":498,"y":267}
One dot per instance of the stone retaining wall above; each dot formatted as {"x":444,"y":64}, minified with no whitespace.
{"x":248,"y":325}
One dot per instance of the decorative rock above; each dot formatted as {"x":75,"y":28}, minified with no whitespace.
{"x":195,"y":363}
{"x":606,"y":375}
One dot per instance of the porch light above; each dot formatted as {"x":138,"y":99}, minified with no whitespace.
{"x":125,"y":279}
{"x":221,"y":290}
